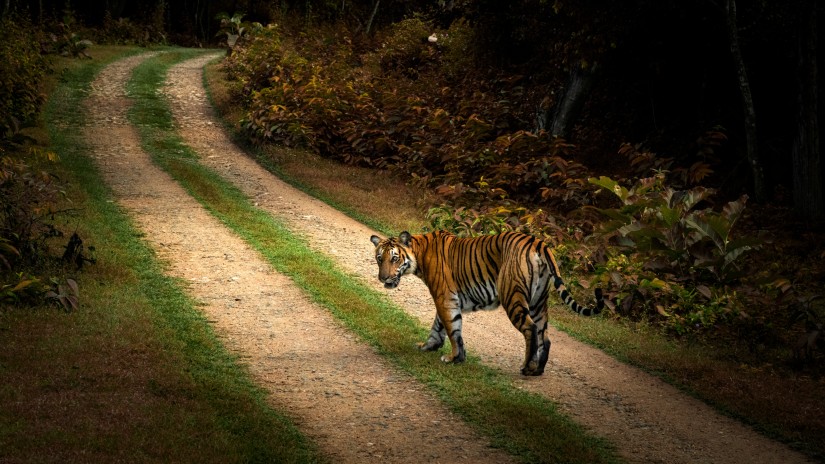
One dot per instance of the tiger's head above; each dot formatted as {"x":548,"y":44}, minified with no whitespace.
{"x":394,"y":258}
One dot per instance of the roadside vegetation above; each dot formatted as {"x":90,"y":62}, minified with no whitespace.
{"x":103,"y":357}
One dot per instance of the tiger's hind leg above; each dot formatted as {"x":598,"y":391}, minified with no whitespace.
{"x":538,"y":312}
{"x":518,"y":313}
{"x":539,"y":285}
{"x":543,"y":337}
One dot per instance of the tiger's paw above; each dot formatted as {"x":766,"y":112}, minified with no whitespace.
{"x":536,"y":372}
{"x":459,"y":358}
{"x":429,"y":346}
{"x":532,"y":369}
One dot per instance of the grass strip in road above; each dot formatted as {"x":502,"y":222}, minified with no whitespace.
{"x":526,"y":425}
{"x":148,"y":378}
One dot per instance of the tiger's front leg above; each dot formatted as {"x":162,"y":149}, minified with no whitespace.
{"x":437,"y":335}
{"x":451,"y":317}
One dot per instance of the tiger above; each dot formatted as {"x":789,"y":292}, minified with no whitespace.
{"x":510,"y":269}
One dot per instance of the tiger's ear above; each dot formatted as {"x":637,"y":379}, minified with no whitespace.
{"x":375,"y":240}
{"x":405,"y":238}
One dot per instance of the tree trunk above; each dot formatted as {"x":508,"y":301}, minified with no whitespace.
{"x":570,"y":104}
{"x":747,"y":104}
{"x":372,"y":16}
{"x":807,"y":165}
{"x":115,"y":8}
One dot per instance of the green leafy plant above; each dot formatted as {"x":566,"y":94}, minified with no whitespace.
{"x":71,"y":44}
{"x":497,"y":214}
{"x":667,"y":227}
{"x":683,"y":257}
{"x":123,"y":31}
{"x":808,"y":311}
{"x":28,"y":197}
{"x":20,"y":287}
{"x":405,"y":47}
{"x":22,"y":70}
{"x":66,"y":294}
{"x":234,"y":28}
{"x":721,"y":253}
{"x":7,"y":252}
{"x":252,"y":65}
{"x":64,"y":38}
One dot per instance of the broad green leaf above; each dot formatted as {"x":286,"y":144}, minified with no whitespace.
{"x":668,"y":215}
{"x":750,"y":242}
{"x":733,"y":210}
{"x":23,"y":284}
{"x":704,"y":291}
{"x":720,"y":226}
{"x":625,"y":241}
{"x":641,"y":231}
{"x":655,"y":283}
{"x":693,"y":196}
{"x":706,"y":229}
{"x":610,"y":185}
{"x":628,"y":229}
{"x":731,"y":256}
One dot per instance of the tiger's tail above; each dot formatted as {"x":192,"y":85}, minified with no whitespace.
{"x":565,"y":294}
{"x":571,"y":303}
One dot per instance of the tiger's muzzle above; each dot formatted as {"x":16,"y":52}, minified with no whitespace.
{"x":392,"y":280}
{"x":389,"y":281}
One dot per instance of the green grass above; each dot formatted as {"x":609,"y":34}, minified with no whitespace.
{"x":524,"y":424}
{"x":136,"y":374}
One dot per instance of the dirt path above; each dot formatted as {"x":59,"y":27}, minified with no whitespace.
{"x":648,"y":420}
{"x":340,"y":392}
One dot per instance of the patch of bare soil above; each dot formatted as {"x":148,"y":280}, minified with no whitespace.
{"x":647,"y":419}
{"x":342,"y":394}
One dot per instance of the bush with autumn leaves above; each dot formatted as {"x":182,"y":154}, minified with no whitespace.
{"x":29,"y":190}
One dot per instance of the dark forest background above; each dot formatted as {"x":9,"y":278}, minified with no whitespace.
{"x":657,"y":74}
